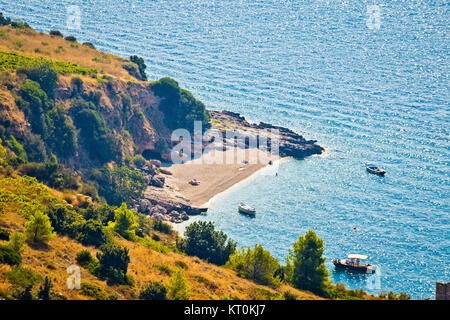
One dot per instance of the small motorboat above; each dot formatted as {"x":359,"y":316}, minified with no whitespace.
{"x":352,"y":263}
{"x":246,"y":209}
{"x":371,"y":168}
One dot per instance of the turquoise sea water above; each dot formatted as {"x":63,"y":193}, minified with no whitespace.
{"x":378,"y":94}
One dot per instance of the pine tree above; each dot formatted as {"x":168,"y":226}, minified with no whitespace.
{"x":17,"y":242}
{"x":44,"y":291}
{"x":39,"y":229}
{"x":125,"y":222}
{"x":305,"y":264}
{"x":177,"y":288}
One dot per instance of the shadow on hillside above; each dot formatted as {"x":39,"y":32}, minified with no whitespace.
{"x":39,"y":246}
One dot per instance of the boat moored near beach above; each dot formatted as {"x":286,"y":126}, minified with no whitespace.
{"x":372,"y":168}
{"x":352,"y":263}
{"x":246,"y":209}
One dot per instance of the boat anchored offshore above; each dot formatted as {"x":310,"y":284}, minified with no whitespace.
{"x":352,"y":263}
{"x":371,"y":168}
{"x":246,"y":209}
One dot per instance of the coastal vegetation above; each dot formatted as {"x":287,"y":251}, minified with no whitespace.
{"x":201,"y":240}
{"x":306,"y":265}
{"x":256,"y":264}
{"x":153,"y":291}
{"x":179,"y":106}
{"x":70,"y":117}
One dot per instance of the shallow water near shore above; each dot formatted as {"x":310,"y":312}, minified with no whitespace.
{"x":316,"y":67}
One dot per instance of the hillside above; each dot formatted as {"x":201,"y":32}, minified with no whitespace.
{"x":129,"y":115}
{"x":207,"y":281}
{"x":82,"y":134}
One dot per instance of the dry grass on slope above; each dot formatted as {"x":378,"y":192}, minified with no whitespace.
{"x":207,"y":281}
{"x":37,"y":44}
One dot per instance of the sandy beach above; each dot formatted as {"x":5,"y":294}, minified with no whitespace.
{"x":216,"y":177}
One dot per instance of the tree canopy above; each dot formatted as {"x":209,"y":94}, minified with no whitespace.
{"x":256,"y":264}
{"x":203,"y":241}
{"x":306,"y":264}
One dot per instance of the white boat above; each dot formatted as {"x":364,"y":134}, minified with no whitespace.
{"x":353,"y":263}
{"x":371,"y":168}
{"x":246,"y":209}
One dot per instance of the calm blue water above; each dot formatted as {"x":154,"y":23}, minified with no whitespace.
{"x":314,"y":66}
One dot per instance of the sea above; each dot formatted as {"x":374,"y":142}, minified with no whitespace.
{"x":369,"y":80}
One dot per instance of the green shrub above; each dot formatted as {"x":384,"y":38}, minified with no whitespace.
{"x":17,"y":148}
{"x":141,"y":66}
{"x":61,"y":136}
{"x":203,"y":241}
{"x":163,"y":227}
{"x":52,"y":174}
{"x":89,"y":45}
{"x":77,"y":83}
{"x":4,"y":234}
{"x":39,"y":229}
{"x":35,"y":104}
{"x":85,"y":259}
{"x":264,"y":294}
{"x":132,"y":69}
{"x":179,"y":107}
{"x":91,"y":233}
{"x":9,"y":256}
{"x":4,"y":21}
{"x":97,"y":138}
{"x":71,"y":38}
{"x":89,"y":190}
{"x":121,"y":185}
{"x":43,"y":72}
{"x":144,"y":227}
{"x":34,"y":147}
{"x":154,"y":245}
{"x":15,"y":162}
{"x":114,"y":261}
{"x":125,"y":222}
{"x":91,"y":290}
{"x":177,"y":288}
{"x":340,"y":292}
{"x":22,"y":278}
{"x":44,"y":292}
{"x":139,"y":161}
{"x":104,"y":213}
{"x":64,"y":219}
{"x":256,"y":264}
{"x":164,"y":269}
{"x":153,"y":291}
{"x":288,"y":295}
{"x":393,"y":296}
{"x":56,"y":33}
{"x":17,"y":24}
{"x":181,"y":264}
{"x":17,"y":242}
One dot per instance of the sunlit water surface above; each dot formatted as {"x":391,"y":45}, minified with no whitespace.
{"x":378,"y":94}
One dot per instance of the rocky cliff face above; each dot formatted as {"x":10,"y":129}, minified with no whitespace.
{"x":130,"y":110}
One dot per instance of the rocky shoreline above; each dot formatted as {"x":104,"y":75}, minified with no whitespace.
{"x":291,"y":144}
{"x":163,"y":202}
